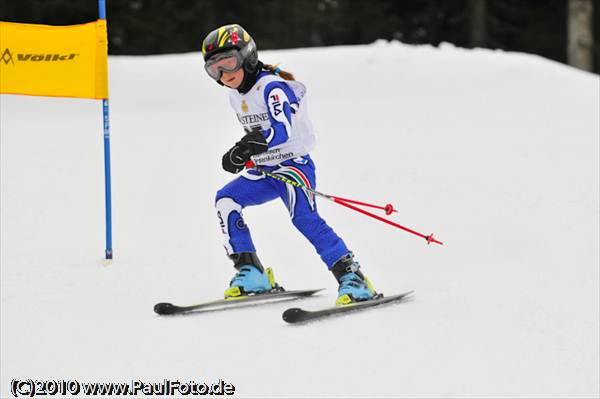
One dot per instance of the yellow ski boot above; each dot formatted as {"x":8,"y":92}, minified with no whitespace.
{"x":251,"y":277}
{"x":354,"y":286}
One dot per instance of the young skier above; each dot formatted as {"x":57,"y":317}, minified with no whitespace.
{"x":271,"y":106}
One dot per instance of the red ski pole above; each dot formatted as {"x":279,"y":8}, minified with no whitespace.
{"x":429,"y":238}
{"x":389,"y":208}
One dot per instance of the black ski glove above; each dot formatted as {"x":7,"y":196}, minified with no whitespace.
{"x":254,"y":142}
{"x":251,"y":144}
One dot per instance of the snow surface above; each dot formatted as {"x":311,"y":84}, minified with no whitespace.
{"x":497,"y":153}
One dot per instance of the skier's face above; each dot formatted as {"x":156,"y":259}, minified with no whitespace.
{"x":233,"y":79}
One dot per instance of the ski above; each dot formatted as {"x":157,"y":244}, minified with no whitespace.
{"x":297,"y":315}
{"x":165,"y":308}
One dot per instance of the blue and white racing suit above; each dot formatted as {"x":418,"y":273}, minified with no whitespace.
{"x":278,"y":107}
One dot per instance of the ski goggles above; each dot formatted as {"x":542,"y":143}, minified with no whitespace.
{"x":228,"y":61}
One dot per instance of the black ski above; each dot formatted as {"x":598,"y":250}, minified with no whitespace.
{"x":165,"y":308}
{"x":297,"y":315}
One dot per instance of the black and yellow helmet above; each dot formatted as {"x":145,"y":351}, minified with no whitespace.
{"x":229,"y":37}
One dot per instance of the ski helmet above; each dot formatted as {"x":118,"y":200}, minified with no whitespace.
{"x":231,"y":37}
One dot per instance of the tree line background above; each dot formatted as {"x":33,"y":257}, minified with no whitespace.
{"x":141,"y":27}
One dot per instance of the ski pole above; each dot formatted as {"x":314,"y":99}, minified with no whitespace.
{"x":389,"y":208}
{"x":428,"y":238}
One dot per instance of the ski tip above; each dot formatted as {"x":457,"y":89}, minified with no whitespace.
{"x":400,"y":296}
{"x":164,"y":308}
{"x":292,"y":315}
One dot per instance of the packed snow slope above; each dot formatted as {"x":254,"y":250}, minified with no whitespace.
{"x":497,"y":153}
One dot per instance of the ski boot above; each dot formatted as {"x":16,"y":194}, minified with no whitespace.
{"x":354,"y":286}
{"x":251,"y":277}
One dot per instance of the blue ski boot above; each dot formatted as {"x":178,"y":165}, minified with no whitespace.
{"x":354,"y":286}
{"x":251,"y":277}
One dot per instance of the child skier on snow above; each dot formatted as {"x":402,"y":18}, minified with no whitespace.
{"x":271,"y":107}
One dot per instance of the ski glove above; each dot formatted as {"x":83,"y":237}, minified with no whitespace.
{"x":251,"y":144}
{"x":254,"y":142}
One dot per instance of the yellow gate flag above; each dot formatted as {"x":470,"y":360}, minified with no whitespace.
{"x":59,"y":61}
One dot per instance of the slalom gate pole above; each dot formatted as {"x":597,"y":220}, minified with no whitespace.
{"x":107,"y":182}
{"x":389,"y":208}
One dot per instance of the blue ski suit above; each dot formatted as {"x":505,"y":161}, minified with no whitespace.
{"x":279,"y":108}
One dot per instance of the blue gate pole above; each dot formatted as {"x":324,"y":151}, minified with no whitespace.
{"x":107,"y":185}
